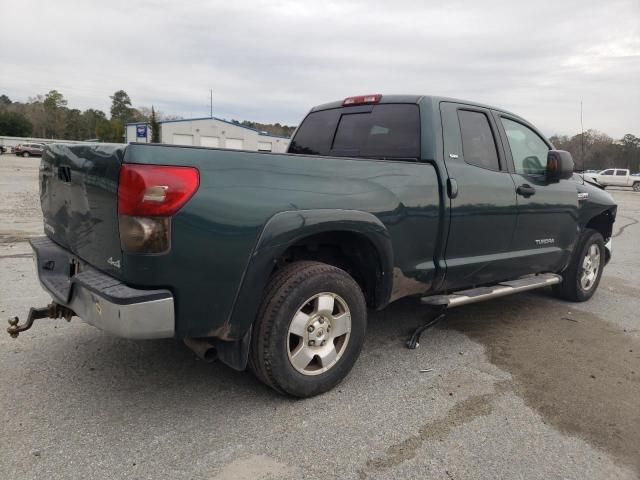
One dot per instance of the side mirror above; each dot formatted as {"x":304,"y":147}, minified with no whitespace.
{"x":559,"y":165}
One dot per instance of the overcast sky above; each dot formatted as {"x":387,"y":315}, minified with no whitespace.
{"x":271,"y":61}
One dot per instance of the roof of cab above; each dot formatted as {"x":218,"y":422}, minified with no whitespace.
{"x":414,"y":99}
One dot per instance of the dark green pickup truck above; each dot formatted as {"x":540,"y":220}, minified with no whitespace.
{"x":272,"y":260}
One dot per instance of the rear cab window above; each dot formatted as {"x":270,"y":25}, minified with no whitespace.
{"x":383,"y":131}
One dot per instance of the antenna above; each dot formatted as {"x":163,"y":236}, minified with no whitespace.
{"x":581,"y":136}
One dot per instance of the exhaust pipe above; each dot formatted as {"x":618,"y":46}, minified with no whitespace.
{"x":203,"y":349}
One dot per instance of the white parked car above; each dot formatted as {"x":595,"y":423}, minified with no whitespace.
{"x":618,"y":177}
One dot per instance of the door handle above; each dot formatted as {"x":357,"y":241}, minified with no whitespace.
{"x":452,"y":187}
{"x":525,"y":190}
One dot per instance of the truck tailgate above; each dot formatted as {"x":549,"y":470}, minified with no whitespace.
{"x":78,"y":194}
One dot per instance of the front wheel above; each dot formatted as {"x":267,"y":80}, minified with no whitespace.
{"x":582,"y":276}
{"x":309,"y":330}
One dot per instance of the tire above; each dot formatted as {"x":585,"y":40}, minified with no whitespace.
{"x":294,"y":315}
{"x":26,"y":154}
{"x":636,"y":187}
{"x":582,"y":276}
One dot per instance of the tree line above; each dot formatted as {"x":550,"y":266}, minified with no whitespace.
{"x":594,"y":150}
{"x":49,"y":116}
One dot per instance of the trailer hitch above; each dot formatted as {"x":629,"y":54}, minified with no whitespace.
{"x":53,"y":310}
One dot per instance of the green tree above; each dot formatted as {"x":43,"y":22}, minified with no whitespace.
{"x":15,"y":124}
{"x":155,"y":126}
{"x":630,"y":152}
{"x":103,"y":130}
{"x":91,"y":121}
{"x":55,"y":114}
{"x":117,"y":131}
{"x":54,"y":100}
{"x":4,"y":100}
{"x":74,"y":127}
{"x":121,"y":107}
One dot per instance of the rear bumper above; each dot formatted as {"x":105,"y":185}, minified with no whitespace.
{"x":101,"y":300}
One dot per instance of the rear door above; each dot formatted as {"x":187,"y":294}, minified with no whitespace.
{"x":547,"y":225}
{"x":482,"y":198}
{"x":620,"y":178}
{"x":606,"y":177}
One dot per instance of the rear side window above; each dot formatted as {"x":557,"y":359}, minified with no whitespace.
{"x":478,"y":143}
{"x":315,"y":135}
{"x":386,"y":131}
{"x":621,"y":173}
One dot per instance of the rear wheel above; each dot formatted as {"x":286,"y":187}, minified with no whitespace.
{"x":636,"y":187}
{"x":309,"y":330}
{"x":582,"y":277}
{"x":26,"y":154}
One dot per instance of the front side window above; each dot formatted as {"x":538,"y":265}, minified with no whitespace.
{"x":607,"y":172}
{"x":478,"y":143}
{"x":528,"y":150}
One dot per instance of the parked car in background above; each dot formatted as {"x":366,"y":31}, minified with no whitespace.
{"x":2,"y":149}
{"x":618,"y":177}
{"x":29,"y":149}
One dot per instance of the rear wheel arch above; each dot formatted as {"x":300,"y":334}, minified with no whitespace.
{"x":352,"y":252}
{"x":287,"y":231}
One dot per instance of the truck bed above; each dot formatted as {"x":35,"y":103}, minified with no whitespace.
{"x":215,"y":233}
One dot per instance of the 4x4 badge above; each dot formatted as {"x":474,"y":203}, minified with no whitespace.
{"x":113,"y":263}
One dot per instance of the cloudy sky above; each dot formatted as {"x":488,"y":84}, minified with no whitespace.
{"x":270,"y":61}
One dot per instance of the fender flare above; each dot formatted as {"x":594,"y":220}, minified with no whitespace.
{"x":285,"y":229}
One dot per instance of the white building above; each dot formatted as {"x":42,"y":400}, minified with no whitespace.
{"x":208,"y":132}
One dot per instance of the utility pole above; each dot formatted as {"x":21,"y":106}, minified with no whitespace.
{"x":211,"y":103}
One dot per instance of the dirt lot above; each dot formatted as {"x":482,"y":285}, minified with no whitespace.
{"x":522,"y":387}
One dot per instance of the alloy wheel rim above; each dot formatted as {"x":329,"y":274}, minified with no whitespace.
{"x":319,"y":333}
{"x":590,"y":267}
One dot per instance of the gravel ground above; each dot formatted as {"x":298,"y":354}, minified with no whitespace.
{"x":522,"y":387}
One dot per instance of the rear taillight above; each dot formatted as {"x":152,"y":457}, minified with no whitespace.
{"x":148,"y":195}
{"x":361,"y":100}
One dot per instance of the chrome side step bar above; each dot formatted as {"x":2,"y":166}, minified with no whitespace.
{"x":501,"y":289}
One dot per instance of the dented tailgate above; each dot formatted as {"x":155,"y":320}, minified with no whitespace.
{"x":78,"y":194}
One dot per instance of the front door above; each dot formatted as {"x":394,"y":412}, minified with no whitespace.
{"x":482,"y":198}
{"x":547,"y":225}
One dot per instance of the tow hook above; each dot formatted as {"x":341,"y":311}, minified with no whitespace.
{"x":53,"y":310}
